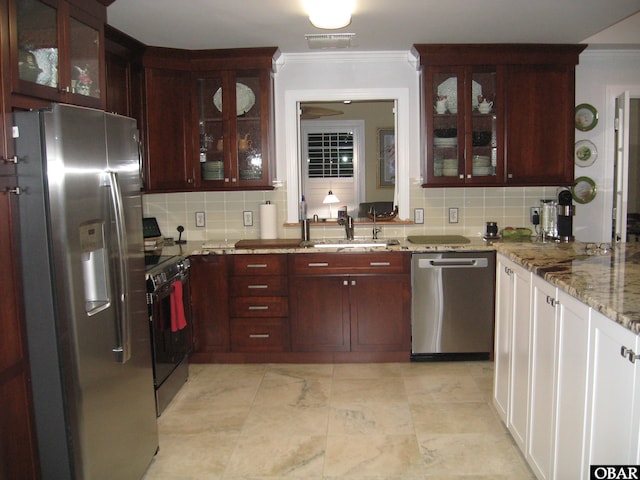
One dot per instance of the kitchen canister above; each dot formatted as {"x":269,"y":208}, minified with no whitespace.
{"x":268,"y":221}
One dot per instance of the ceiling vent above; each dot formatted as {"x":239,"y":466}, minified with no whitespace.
{"x":330,"y":40}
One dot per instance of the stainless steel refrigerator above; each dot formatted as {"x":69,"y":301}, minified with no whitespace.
{"x":87,"y":322}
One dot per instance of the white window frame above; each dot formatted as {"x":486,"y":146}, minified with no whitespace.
{"x":338,"y":185}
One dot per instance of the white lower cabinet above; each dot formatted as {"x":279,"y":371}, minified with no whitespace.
{"x":511,"y":385}
{"x":543,"y":378}
{"x":572,"y":334}
{"x":502,"y":337}
{"x":520,"y":357}
{"x":542,"y":340}
{"x":613,"y":399}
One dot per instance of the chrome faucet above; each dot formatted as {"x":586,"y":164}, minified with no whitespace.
{"x":347,"y":221}
{"x":376,"y":231}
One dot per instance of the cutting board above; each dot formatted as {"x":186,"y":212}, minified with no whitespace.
{"x":437,"y":239}
{"x":269,"y":243}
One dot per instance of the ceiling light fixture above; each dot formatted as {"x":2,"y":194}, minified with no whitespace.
{"x":329,"y":14}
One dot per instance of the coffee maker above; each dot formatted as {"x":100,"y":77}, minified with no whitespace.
{"x":565,"y":211}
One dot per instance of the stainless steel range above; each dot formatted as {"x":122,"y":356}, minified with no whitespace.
{"x":168,"y":298}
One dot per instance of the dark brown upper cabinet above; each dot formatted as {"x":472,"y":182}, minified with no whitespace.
{"x":498,"y":114}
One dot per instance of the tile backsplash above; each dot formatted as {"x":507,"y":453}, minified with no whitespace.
{"x":225,"y":212}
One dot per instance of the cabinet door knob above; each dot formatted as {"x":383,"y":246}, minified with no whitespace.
{"x":624,"y":351}
{"x":13,"y":160}
{"x":14,"y":190}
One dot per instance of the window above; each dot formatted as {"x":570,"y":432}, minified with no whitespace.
{"x":331,"y":153}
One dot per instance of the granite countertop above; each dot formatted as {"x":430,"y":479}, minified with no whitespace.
{"x":608,"y":281}
{"x":221,"y":247}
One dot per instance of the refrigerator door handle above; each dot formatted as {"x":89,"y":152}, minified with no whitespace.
{"x":140,"y":161}
{"x":123,"y":337}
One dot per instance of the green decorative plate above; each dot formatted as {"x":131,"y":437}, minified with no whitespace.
{"x":584,"y":190}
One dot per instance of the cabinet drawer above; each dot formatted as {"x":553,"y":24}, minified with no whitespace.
{"x":258,"y":264}
{"x":259,"y":307}
{"x":262,"y":286}
{"x":259,"y":334}
{"x":350,"y":263}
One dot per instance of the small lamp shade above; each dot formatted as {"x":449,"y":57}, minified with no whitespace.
{"x":331,"y":198}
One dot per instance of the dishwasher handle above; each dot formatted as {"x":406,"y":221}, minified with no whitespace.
{"x":453,"y":263}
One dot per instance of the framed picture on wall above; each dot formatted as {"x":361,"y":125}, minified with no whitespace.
{"x":386,"y":157}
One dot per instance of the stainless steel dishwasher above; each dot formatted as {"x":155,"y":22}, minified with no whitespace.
{"x":452,"y":306}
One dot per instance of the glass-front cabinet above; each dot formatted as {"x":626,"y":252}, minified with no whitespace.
{"x":463,"y":123}
{"x":233,"y":109}
{"x":56,"y":52}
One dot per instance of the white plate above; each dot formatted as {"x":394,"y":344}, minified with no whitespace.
{"x":445,"y":142}
{"x":585,"y":153}
{"x":245,"y":99}
{"x":450,"y":88}
{"x":482,"y":171}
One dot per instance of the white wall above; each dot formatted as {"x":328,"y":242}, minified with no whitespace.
{"x":600,"y":77}
{"x":342,"y":75}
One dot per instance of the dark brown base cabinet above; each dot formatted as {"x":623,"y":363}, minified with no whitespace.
{"x":301,"y":307}
{"x":209,"y":305}
{"x":350,"y":302}
{"x":259,"y":303}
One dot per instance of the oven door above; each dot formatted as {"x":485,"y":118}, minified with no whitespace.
{"x":169,"y":346}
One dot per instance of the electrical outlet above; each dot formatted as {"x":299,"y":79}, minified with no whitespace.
{"x":247,"y":218}
{"x":418,"y":215}
{"x":453,"y":215}
{"x":535,"y":215}
{"x":200,"y":219}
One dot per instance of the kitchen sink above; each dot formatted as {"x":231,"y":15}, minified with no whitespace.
{"x":356,"y":243}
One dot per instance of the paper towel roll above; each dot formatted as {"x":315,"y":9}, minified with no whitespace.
{"x":268,"y":221}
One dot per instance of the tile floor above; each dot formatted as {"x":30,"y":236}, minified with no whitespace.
{"x":387,"y":421}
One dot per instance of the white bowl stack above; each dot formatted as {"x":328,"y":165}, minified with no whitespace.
{"x":212,"y":170}
{"x":481,"y":165}
{"x":450,"y":167}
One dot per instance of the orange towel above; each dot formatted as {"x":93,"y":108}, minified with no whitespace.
{"x":178,"y":321}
